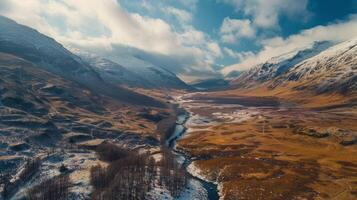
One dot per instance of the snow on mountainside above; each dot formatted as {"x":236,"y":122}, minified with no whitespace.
{"x":131,"y":71}
{"x":111,"y":71}
{"x":277,"y":65}
{"x":45,"y":52}
{"x":334,"y":69}
{"x":156,"y":75}
{"x":29,"y":44}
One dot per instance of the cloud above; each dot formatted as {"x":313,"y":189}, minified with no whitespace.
{"x":266,"y":13}
{"x":190,"y":4}
{"x":336,"y":32}
{"x":182,"y":15}
{"x":233,"y":29}
{"x":237,"y":55}
{"x":100,"y":24}
{"x":215,"y":49}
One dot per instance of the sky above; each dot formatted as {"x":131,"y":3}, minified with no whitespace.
{"x":196,"y":39}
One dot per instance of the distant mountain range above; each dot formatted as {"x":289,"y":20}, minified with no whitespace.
{"x":101,"y":75}
{"x":132,"y":71}
{"x":211,"y":84}
{"x":333,"y":70}
{"x":277,"y":65}
{"x":44,"y":52}
{"x":322,"y":68}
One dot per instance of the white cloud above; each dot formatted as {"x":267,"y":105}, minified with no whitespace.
{"x":100,"y":24}
{"x":182,"y":15}
{"x":237,"y":55}
{"x":336,"y":32}
{"x":265,"y":13}
{"x":215,"y":49}
{"x":233,"y":29}
{"x":190,"y":4}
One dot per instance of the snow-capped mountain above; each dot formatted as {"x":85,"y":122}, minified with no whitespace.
{"x":278,"y":65}
{"x":156,"y":75}
{"x":333,"y":70}
{"x":112,"y":71}
{"x":31,"y":45}
{"x":131,"y":71}
{"x":28,"y":44}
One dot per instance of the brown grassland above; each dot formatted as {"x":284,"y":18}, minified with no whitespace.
{"x":270,"y":155}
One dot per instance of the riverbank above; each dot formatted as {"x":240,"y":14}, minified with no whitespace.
{"x":185,"y":160}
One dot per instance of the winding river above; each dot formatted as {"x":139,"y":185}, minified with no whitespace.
{"x":180,"y":130}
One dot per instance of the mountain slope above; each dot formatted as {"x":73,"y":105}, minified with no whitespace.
{"x":35,"y":47}
{"x":333,"y":70}
{"x":328,"y":80}
{"x":127,"y":69}
{"x":277,"y":66}
{"x":35,"y":103}
{"x":113,"y":72}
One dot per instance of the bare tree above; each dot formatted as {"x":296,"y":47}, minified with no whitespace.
{"x":56,"y":188}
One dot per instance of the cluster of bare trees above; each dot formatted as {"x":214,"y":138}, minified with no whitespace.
{"x":129,"y":175}
{"x":132,"y":175}
{"x":31,"y":167}
{"x":56,"y":188}
{"x":172,"y":175}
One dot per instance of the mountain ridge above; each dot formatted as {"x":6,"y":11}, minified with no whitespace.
{"x":50,"y":55}
{"x":277,"y":65}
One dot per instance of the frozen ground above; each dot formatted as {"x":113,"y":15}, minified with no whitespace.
{"x":193,"y":191}
{"x":78,"y":164}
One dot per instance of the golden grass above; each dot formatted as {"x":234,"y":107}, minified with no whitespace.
{"x":277,"y":163}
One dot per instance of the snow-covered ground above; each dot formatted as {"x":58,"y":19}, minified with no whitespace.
{"x":197,"y":172}
{"x":236,"y":116}
{"x":78,"y":165}
{"x":193,"y":191}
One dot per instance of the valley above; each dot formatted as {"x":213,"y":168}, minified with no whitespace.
{"x":118,"y":124}
{"x":266,"y":150}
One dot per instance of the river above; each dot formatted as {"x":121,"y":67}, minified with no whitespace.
{"x":180,"y":130}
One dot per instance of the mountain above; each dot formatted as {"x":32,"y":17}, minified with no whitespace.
{"x":127,"y":69}
{"x":328,"y":79}
{"x":333,"y":70}
{"x":232,"y":75}
{"x":45,"y":52}
{"x":277,"y":66}
{"x":111,"y":71}
{"x":211,"y":84}
{"x":156,"y":75}
{"x":37,"y":106}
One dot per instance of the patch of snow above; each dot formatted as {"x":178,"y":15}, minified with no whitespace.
{"x":78,"y":165}
{"x":236,"y":116}
{"x":194,"y":190}
{"x":197,"y":172}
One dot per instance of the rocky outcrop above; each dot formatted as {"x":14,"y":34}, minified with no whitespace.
{"x":349,"y":140}
{"x":312,"y":132}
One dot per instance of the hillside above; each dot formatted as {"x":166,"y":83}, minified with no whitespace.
{"x":48,"y":54}
{"x":131,"y":71}
{"x":276,"y":66}
{"x":326,"y":79}
{"x":333,"y":70}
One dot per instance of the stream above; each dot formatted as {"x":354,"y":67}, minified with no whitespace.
{"x":180,"y":130}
